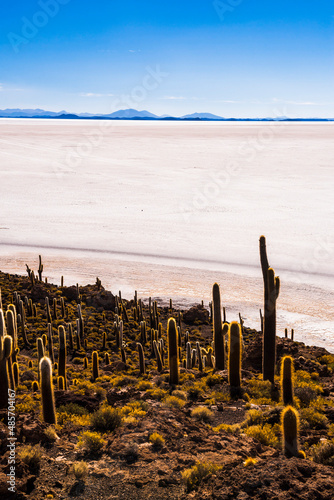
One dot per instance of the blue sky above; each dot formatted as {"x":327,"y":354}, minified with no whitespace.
{"x":231,"y":57}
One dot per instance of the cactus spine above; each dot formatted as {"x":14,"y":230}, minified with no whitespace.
{"x":218,"y":336}
{"x":48,"y":404}
{"x":271,"y":292}
{"x":62,"y":354}
{"x":95,"y":360}
{"x":290,"y":430}
{"x":287,"y":381}
{"x":173,"y":358}
{"x":235,"y":355}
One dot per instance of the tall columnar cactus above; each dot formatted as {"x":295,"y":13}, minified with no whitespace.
{"x":141,"y":358}
{"x":62,"y":307}
{"x":271,"y":292}
{"x":3,"y":330}
{"x":48,"y":313}
{"x":61,"y":384}
{"x":40,"y":353}
{"x":290,"y":431}
{"x":12,"y":327}
{"x":78,"y":338}
{"x":95,"y":360}
{"x":62,"y":354}
{"x":235,"y":356}
{"x":121,"y":328}
{"x":23,"y":324}
{"x":104,"y":341}
{"x":143,"y":338}
{"x":287,"y":380}
{"x":70,"y":336}
{"x":209,"y":358}
{"x":0,"y":299}
{"x":188,"y":356}
{"x":199,"y":357}
{"x":40,"y":268}
{"x":218,"y":336}
{"x":54,"y":306}
{"x":157,"y":355}
{"x":16,"y":374}
{"x":50,"y":343}
{"x":5,"y":353}
{"x":48,"y":403}
{"x":173,"y":358}
{"x":81,"y":321}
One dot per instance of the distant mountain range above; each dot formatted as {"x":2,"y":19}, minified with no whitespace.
{"x":133,"y":114}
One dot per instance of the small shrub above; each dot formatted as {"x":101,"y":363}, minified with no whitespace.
{"x":51,"y":434}
{"x":254,"y":417}
{"x":258,"y":389}
{"x":265,"y":434}
{"x":312,"y":419}
{"x":157,"y":394}
{"x":304,"y":379}
{"x":144,"y":385}
{"x":92,"y":442}
{"x":305,"y":395}
{"x":174,"y":402}
{"x":131,"y":451}
{"x":230,"y":429}
{"x":79,"y":469}
{"x":202,"y":413}
{"x":123,"y":380}
{"x":323,"y":453}
{"x":31,"y":455}
{"x":213,"y":379}
{"x":157,"y":440}
{"x":180,"y":394}
{"x":72,"y":409}
{"x":100,"y":393}
{"x":135,"y":409}
{"x":106,"y":419}
{"x":194,"y":476}
{"x":250,"y":462}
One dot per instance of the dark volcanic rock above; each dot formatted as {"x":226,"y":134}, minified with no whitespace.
{"x":196,"y":313}
{"x":91,"y":403}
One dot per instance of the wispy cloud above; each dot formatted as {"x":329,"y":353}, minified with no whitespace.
{"x":302,"y":103}
{"x":93,"y":94}
{"x":174,"y":98}
{"x":229,"y":101}
{"x":3,"y":88}
{"x":133,"y":51}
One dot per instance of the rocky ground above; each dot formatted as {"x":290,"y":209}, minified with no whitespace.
{"x":127,"y":463}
